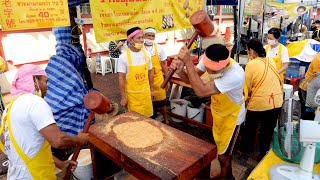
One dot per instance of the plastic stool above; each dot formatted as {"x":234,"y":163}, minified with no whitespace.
{"x":106,"y":66}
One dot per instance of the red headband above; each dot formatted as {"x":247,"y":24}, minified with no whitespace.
{"x":214,"y":65}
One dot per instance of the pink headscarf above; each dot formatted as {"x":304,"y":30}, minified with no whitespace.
{"x":23,"y":81}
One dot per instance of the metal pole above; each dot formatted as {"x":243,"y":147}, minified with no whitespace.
{"x":262,"y":33}
{"x":249,"y":29}
{"x":235,"y":49}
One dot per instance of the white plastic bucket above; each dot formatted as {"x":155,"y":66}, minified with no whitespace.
{"x":195,"y":113}
{"x":179,"y":107}
{"x":288,"y":91}
{"x":84,"y":168}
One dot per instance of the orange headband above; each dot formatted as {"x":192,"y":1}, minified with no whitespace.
{"x":214,"y":65}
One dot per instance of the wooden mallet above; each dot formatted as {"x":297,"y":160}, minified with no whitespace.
{"x":203,"y":26}
{"x":97,"y":103}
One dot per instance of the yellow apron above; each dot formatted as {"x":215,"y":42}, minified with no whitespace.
{"x":225,"y":114}
{"x":159,"y":93}
{"x":137,"y":87}
{"x":41,"y":166}
{"x":277,"y":60}
{"x":271,"y":97}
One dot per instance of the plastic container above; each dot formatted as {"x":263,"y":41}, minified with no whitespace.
{"x":98,"y":62}
{"x":84,"y":168}
{"x":293,"y":69}
{"x":179,"y":107}
{"x":195,"y":113}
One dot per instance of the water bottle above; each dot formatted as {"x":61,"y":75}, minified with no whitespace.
{"x":98,"y":62}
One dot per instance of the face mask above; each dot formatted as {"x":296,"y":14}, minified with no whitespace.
{"x":138,"y":45}
{"x":149,"y":41}
{"x":216,"y":76}
{"x":272,"y":42}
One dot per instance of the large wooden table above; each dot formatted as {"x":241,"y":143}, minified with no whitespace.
{"x":178,"y":156}
{"x":176,"y":80}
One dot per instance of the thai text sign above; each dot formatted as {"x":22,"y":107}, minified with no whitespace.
{"x":33,"y":14}
{"x":112,"y":18}
{"x":253,"y":7}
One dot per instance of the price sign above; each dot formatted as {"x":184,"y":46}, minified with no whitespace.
{"x":33,"y":14}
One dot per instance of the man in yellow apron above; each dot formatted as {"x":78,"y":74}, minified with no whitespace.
{"x":159,"y":67}
{"x":226,"y":91}
{"x":136,"y":75}
{"x":277,"y":52}
{"x":29,"y":130}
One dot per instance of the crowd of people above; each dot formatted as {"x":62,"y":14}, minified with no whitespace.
{"x":48,"y":110}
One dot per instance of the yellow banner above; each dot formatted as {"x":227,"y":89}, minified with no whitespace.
{"x":112,"y":18}
{"x":287,"y":11}
{"x":253,"y":7}
{"x":33,"y":14}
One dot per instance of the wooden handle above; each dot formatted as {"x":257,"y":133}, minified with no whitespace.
{"x":78,"y":147}
{"x":170,"y":73}
{"x":167,"y":79}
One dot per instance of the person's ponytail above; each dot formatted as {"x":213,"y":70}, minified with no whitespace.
{"x":256,"y":45}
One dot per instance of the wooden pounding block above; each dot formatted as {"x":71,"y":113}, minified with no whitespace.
{"x":178,"y":156}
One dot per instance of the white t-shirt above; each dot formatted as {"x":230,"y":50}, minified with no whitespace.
{"x":162,"y":55}
{"x":231,"y":83}
{"x":29,"y":114}
{"x":273,"y":53}
{"x":137,"y":59}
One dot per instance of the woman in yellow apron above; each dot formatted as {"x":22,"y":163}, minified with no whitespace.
{"x":135,"y":79}
{"x":226,"y":91}
{"x":28,"y":127}
{"x":277,"y":52}
{"x":265,"y":100}
{"x":159,"y":66}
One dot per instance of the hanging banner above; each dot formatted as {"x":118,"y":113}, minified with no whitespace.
{"x":253,"y":7}
{"x":112,"y":18}
{"x":282,"y":14}
{"x":299,"y":2}
{"x":33,"y":14}
{"x":302,"y":2}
